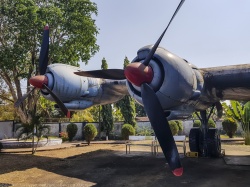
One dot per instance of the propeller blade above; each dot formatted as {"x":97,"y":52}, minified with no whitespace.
{"x":152,"y":51}
{"x":44,"y":58}
{"x":20,"y":100}
{"x":58,"y":101}
{"x":116,"y":74}
{"x":161,"y":128}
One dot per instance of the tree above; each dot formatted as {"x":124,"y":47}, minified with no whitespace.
{"x":139,"y":110}
{"x":89,"y":132}
{"x":71,"y":130}
{"x":83,"y":115}
{"x":241,"y":114}
{"x":234,"y":110}
{"x":104,"y":64}
{"x":246,"y":124}
{"x":127,"y":105}
{"x":7,"y":111}
{"x":230,"y":126}
{"x":107,"y":123}
{"x":117,"y":115}
{"x":46,"y":109}
{"x":95,"y":112}
{"x":127,"y":130}
{"x":33,"y":129}
{"x":173,"y":127}
{"x":106,"y":111}
{"x":72,"y":39}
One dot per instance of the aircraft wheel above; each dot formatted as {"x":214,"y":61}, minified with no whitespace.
{"x":213,"y":142}
{"x":194,"y":140}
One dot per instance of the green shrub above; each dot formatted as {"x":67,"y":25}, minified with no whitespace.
{"x":89,"y":132}
{"x":230,"y":126}
{"x":180,"y":126}
{"x":211,"y":123}
{"x":247,"y":138}
{"x":127,"y":130}
{"x":197,"y":123}
{"x":173,"y":127}
{"x":64,"y":136}
{"x":25,"y":131}
{"x":71,"y":130}
{"x":144,"y":131}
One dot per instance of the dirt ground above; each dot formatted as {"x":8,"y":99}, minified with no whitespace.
{"x":109,"y":165}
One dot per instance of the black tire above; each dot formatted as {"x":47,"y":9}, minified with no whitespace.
{"x":213,"y":143}
{"x":194,"y":140}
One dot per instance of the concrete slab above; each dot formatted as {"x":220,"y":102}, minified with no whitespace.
{"x":237,"y":160}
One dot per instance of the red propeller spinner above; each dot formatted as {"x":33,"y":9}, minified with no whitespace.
{"x":137,"y":73}
{"x":39,"y":81}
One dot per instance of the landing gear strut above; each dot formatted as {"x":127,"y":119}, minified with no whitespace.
{"x":204,"y":140}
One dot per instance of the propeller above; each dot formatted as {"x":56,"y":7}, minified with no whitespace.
{"x":141,"y":74}
{"x":161,"y":128}
{"x":20,"y":100}
{"x":41,"y":81}
{"x":117,"y":74}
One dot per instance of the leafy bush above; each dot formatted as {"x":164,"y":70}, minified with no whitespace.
{"x":71,"y":130}
{"x":127,"y":130}
{"x":197,"y":123}
{"x":64,"y":136}
{"x":211,"y":123}
{"x":35,"y":128}
{"x":174,"y":127}
{"x":89,"y":132}
{"x":247,"y":138}
{"x":144,"y":131}
{"x":180,"y":126}
{"x":25,"y":131}
{"x":230,"y":126}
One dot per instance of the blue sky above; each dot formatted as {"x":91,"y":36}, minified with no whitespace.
{"x":206,"y":33}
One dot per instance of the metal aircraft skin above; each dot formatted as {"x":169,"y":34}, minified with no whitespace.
{"x":181,"y":87}
{"x":168,"y":86}
{"x":78,"y":93}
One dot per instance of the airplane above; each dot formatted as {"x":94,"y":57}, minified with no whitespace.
{"x":168,"y":86}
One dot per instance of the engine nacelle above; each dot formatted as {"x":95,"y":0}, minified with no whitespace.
{"x":175,"y":81}
{"x":79,"y":92}
{"x":68,"y":86}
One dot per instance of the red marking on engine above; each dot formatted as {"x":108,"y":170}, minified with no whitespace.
{"x":38,"y":81}
{"x":178,"y":172}
{"x":137,"y":73}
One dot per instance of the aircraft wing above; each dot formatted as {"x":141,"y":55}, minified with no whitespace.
{"x":228,"y":82}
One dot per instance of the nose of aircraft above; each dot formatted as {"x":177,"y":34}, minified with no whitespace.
{"x":137,"y":73}
{"x":38,"y":81}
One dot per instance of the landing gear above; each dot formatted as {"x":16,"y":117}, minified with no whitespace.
{"x":204,"y":140}
{"x":213,"y":143}
{"x":194,"y":140}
